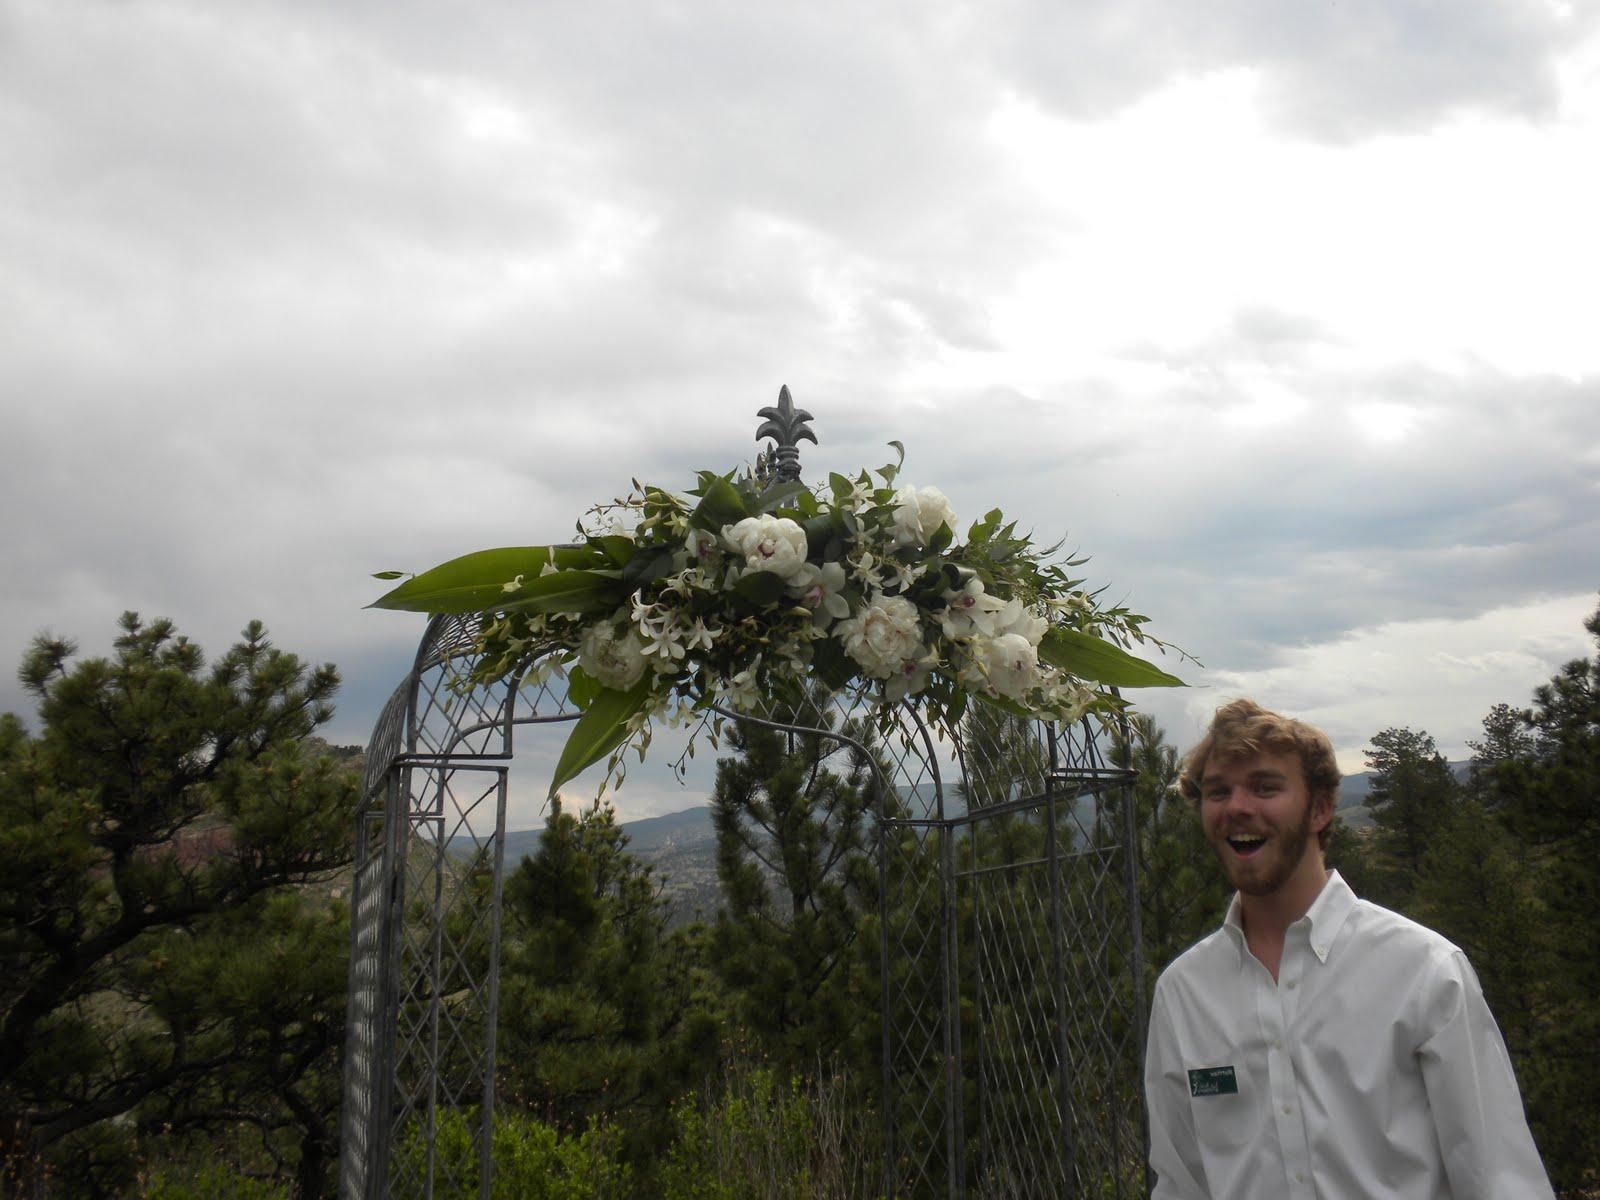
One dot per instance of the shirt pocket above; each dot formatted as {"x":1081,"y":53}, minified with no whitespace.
{"x":1225,"y":1119}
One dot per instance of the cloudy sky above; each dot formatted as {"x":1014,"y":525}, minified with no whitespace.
{"x":1283,"y":313}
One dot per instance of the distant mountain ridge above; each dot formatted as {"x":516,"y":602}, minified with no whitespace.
{"x":682,"y":846}
{"x":1356,"y":790}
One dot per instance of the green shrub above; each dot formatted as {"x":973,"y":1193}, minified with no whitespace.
{"x":762,"y":1139}
{"x":532,"y":1161}
{"x":219,"y":1182}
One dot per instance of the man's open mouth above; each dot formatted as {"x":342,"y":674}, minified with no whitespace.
{"x":1246,"y":844}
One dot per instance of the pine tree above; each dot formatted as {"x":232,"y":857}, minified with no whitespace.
{"x":1550,"y":794}
{"x":1182,"y":893}
{"x":1506,"y":739}
{"x":146,"y":830}
{"x":791,"y":813}
{"x":1413,"y":794}
{"x":601,"y":1016}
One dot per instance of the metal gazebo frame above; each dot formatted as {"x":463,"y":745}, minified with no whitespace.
{"x":1012,"y":976}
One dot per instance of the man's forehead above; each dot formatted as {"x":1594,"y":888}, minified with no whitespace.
{"x":1251,"y":765}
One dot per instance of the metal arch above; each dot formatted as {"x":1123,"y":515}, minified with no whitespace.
{"x":1009,"y":1055}
{"x":425,"y":921}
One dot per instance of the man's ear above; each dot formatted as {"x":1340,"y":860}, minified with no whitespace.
{"x":1322,"y":807}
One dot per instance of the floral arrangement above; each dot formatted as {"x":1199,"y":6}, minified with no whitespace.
{"x":669,"y":605}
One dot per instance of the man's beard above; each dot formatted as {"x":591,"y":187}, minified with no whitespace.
{"x":1291,"y":848}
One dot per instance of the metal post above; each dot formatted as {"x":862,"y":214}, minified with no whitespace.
{"x":1058,"y":975}
{"x":486,"y":1108}
{"x":887,"y":1006}
{"x":1130,"y":834}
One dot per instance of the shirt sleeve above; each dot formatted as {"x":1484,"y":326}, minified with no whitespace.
{"x":1174,"y":1149}
{"x":1477,"y":1111}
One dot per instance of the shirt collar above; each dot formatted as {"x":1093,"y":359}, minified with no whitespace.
{"x":1327,"y":914}
{"x":1323,"y":919}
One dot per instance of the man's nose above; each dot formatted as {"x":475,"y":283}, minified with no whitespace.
{"x":1238,"y":799}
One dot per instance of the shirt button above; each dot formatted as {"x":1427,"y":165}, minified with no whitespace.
{"x":1291,"y":985}
{"x":1277,"y":1044}
{"x":1299,"y":1176}
{"x":1288,"y":1108}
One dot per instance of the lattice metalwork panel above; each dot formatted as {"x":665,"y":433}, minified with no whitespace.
{"x":1010,"y":1008}
{"x":445,"y":961}
{"x":1104,"y":1006}
{"x":387,"y":741}
{"x":1014,"y":911}
{"x":366,"y":1045}
{"x":450,"y":715}
{"x":538,"y":702}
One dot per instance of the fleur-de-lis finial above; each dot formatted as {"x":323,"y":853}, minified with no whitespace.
{"x":787,"y":426}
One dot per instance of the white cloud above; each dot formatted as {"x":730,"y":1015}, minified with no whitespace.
{"x":1438,"y":675}
{"x":1279,"y":312}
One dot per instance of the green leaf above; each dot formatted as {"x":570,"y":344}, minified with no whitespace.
{"x":1093,"y":658}
{"x":760,"y":587}
{"x":615,"y":547}
{"x":956,"y":709}
{"x":476,"y":582}
{"x":600,"y":730}
{"x":388,"y":574}
{"x":888,"y":473}
{"x":1005,"y":704}
{"x":818,"y":530}
{"x":778,"y":495}
{"x":831,"y":664}
{"x":582,"y":688}
{"x":982,"y":530}
{"x":720,"y":505}
{"x":647,"y":566}
{"x":566,"y":592}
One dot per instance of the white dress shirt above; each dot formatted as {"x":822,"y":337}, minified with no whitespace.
{"x":1372,"y":1068}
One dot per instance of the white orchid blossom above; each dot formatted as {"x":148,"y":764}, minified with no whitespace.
{"x":819,"y":588}
{"x":1007,"y":665}
{"x":702,"y":544}
{"x":911,"y":678}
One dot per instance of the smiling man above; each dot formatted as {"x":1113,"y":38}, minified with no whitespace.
{"x":1317,"y":1045}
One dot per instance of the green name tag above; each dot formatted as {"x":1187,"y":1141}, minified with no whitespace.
{"x":1213,"y":1081}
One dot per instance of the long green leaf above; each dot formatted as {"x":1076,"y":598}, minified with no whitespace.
{"x":778,"y":495}
{"x":476,"y":582}
{"x":564,"y":591}
{"x":600,"y":730}
{"x":1089,"y":657}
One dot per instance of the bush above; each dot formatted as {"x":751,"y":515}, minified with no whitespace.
{"x":219,"y":1182}
{"x":762,"y":1139}
{"x":532,"y":1161}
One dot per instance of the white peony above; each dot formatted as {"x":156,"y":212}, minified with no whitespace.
{"x":614,"y":662}
{"x":1008,"y":664}
{"x":769,"y":543}
{"x":918,"y":513}
{"x":884,"y":636}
